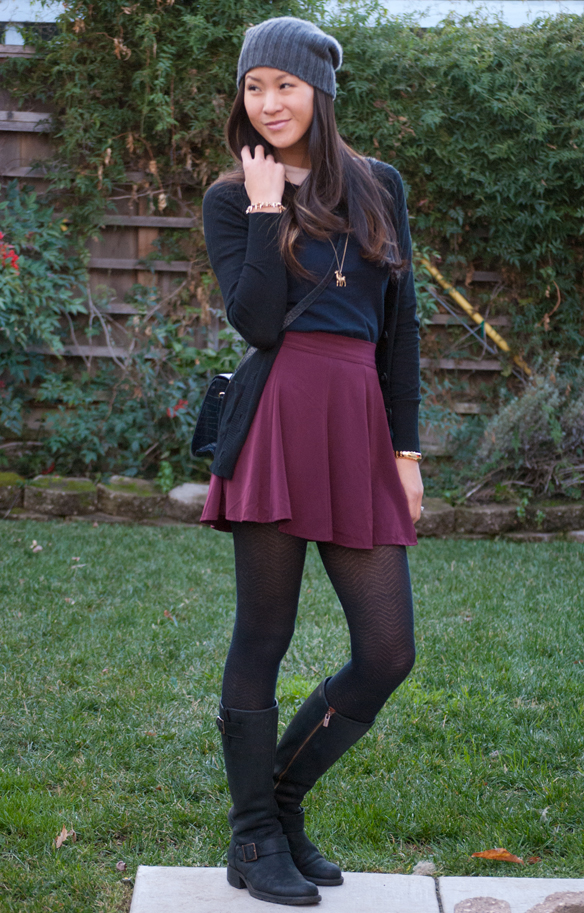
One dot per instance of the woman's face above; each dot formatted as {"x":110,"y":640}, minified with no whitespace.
{"x":279,"y":106}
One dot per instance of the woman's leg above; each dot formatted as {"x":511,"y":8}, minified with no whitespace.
{"x":268,"y":566}
{"x":268,"y":572}
{"x":374,"y":590}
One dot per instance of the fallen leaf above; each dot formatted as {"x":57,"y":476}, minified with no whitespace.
{"x":121,"y":866}
{"x":531,"y":860}
{"x":60,"y":839}
{"x":75,"y":559}
{"x":172,"y":618}
{"x":68,"y":599}
{"x":499,"y":854}
{"x":38,"y":548}
{"x":150,"y":732}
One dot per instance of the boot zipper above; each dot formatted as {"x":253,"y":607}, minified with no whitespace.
{"x":324,"y":723}
{"x":327,"y":717}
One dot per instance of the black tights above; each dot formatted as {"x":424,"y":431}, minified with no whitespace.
{"x":373,"y":586}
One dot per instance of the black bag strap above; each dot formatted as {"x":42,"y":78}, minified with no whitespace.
{"x":302,"y":305}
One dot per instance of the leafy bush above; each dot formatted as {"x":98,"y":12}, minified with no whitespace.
{"x":484,"y":122}
{"x":45,"y":286}
{"x":140,"y":86}
{"x":39,"y":286}
{"x":124,"y":416}
{"x":536,"y":441}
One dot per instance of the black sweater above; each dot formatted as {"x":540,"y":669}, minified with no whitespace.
{"x":352,"y":310}
{"x":257,"y":291}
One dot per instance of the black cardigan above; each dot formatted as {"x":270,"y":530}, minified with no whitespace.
{"x":244,"y":254}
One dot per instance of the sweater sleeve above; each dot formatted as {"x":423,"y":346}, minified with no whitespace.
{"x":404,"y":372}
{"x":245,"y":257}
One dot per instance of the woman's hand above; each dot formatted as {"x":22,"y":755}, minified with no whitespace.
{"x":411,"y":479}
{"x":264,"y":177}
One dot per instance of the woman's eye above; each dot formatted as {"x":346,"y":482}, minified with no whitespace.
{"x":287,"y":85}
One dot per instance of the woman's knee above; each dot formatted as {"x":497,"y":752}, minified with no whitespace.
{"x":388,"y":668}
{"x":402,"y":665}
{"x":264,"y":641}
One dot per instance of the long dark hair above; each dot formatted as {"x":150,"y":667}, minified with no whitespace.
{"x":340,"y":194}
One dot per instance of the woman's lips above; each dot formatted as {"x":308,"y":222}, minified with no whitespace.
{"x":277,"y":124}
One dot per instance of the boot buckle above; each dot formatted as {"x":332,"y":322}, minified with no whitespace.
{"x":249,"y":852}
{"x":221,"y":725}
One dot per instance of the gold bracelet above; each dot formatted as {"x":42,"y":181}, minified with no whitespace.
{"x":255,"y":207}
{"x":408,"y":455}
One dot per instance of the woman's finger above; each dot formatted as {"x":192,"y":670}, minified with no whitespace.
{"x":245,"y":155}
{"x":259,"y":152}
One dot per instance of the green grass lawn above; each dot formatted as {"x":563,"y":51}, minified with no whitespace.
{"x":110,"y":670}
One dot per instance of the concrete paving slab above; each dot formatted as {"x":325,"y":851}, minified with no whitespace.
{"x":521,"y":894}
{"x":165,"y":889}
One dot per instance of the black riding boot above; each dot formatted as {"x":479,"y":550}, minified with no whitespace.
{"x":314,"y":740}
{"x":259,"y":856}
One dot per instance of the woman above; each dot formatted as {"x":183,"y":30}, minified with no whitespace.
{"x":304,"y":450}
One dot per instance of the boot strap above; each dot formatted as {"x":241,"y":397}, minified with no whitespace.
{"x":226,"y":727}
{"x":249,"y":852}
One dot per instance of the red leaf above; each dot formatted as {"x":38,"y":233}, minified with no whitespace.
{"x":499,"y":854}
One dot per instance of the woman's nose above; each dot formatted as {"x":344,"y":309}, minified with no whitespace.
{"x":272,"y":102}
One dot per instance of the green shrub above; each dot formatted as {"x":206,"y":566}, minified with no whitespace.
{"x":51,"y":268}
{"x":484,"y":122}
{"x":536,"y":441}
{"x":109,"y":417}
{"x":35,"y":295}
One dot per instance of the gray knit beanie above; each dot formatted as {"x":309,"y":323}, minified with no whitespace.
{"x":293,"y":45}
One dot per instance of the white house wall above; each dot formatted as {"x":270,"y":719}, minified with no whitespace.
{"x":20,"y":11}
{"x":511,"y":12}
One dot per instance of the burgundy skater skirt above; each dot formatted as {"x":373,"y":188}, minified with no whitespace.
{"x":318,"y":459}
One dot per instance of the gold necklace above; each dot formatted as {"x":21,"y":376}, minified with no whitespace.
{"x":341,"y":280}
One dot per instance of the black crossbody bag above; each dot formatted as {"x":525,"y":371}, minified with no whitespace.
{"x":206,"y":431}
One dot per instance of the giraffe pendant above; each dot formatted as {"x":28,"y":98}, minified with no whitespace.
{"x":341,"y":280}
